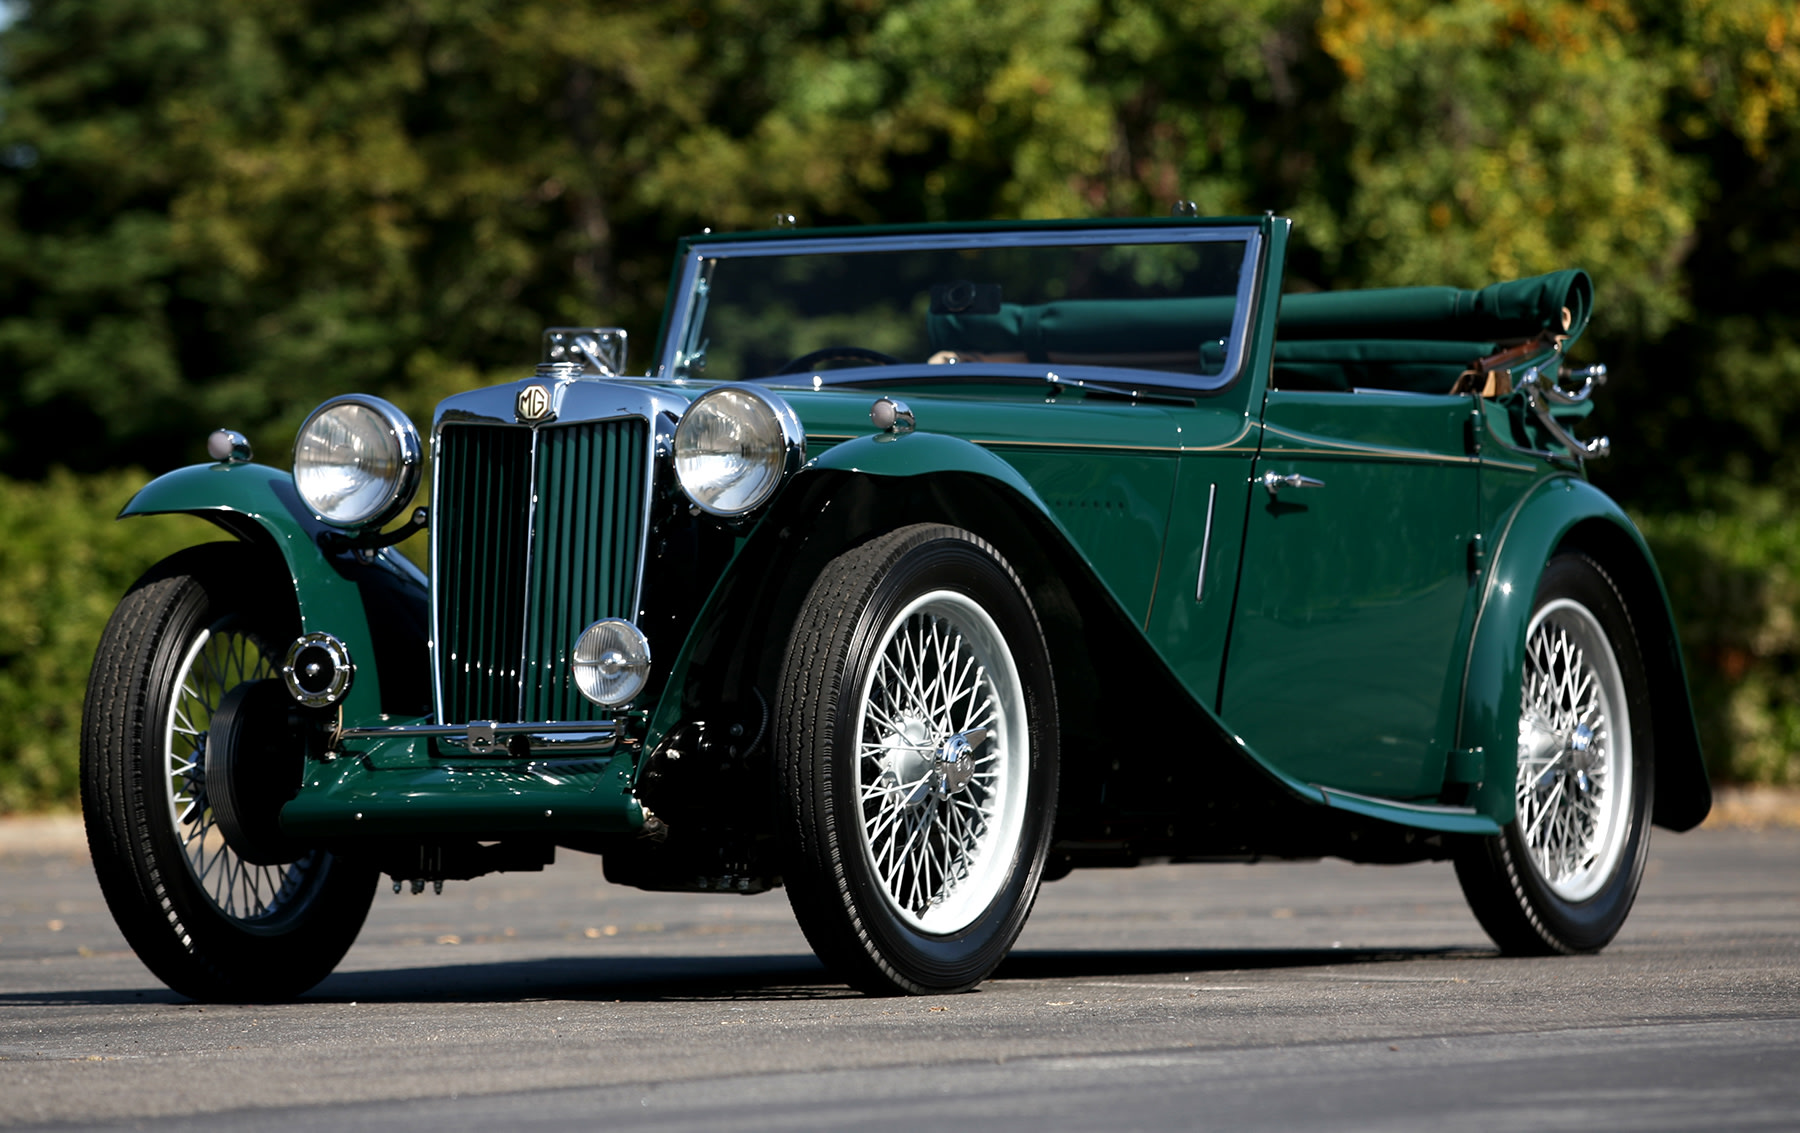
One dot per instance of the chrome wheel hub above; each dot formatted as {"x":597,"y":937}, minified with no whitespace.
{"x":954,"y":765}
{"x":1574,"y":779}
{"x":942,"y":762}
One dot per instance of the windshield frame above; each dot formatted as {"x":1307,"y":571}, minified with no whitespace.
{"x":689,"y":305}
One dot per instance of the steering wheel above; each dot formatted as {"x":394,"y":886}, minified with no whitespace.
{"x":812,"y":358}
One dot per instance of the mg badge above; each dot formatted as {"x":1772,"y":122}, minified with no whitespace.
{"x":534,"y":403}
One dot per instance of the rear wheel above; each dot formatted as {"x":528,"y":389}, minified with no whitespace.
{"x":1562,"y":876}
{"x":917,"y":751}
{"x":208,"y":922}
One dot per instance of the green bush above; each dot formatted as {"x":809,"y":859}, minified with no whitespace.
{"x":63,"y":565}
{"x":1736,"y":597}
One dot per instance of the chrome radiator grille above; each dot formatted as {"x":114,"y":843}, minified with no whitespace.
{"x":538,"y":534}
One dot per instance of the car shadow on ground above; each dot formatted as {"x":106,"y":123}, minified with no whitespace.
{"x":701,"y":979}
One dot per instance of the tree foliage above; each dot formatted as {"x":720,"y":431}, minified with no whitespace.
{"x":64,"y":564}
{"x":218,"y":214}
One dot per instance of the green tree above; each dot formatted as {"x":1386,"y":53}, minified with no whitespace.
{"x":219,"y":214}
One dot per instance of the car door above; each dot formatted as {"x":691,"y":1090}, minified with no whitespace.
{"x":1356,"y":589}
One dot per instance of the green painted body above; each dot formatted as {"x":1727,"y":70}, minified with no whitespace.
{"x":1539,"y":512}
{"x":1357,"y":595}
{"x":403,"y":790}
{"x":382,"y":787}
{"x":233,"y":495}
{"x":1348,"y":639}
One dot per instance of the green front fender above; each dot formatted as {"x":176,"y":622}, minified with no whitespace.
{"x":882,"y":455}
{"x":257,"y":503}
{"x":916,"y":454}
{"x":1567,"y":513}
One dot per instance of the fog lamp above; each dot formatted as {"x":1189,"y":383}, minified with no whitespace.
{"x":611,"y":662}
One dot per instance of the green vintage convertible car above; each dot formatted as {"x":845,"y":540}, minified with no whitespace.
{"x":916,"y":566}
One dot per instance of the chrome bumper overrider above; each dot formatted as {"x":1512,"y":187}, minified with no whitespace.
{"x":486,"y":739}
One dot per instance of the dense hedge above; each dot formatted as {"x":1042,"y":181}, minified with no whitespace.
{"x":1733,"y":583}
{"x":64,"y":562}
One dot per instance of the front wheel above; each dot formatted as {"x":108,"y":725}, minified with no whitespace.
{"x":1561,"y":877}
{"x":916,"y":749}
{"x":208,"y":922}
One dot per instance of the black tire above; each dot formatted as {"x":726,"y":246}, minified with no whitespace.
{"x":1562,"y":876}
{"x":194,"y":627}
{"x":860,"y":759}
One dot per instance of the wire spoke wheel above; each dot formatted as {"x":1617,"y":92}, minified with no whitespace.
{"x":195,"y":631}
{"x":916,"y":747}
{"x":939,"y":776}
{"x":1562,"y":875}
{"x":222,"y":657}
{"x":1574,"y":751}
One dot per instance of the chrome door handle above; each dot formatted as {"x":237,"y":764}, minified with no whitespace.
{"x":1275,"y":482}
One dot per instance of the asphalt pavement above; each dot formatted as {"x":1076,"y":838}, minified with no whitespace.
{"x":1274,"y":996}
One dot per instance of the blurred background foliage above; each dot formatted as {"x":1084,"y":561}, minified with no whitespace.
{"x":221,"y":213}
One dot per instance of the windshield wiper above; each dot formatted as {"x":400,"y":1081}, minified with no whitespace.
{"x":1097,"y":389}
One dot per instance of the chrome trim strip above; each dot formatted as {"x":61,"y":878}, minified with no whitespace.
{"x":1322,"y":446}
{"x":1245,"y":428}
{"x":531,"y":526}
{"x":1009,"y":238}
{"x":1212,"y":497}
{"x":435,"y":635}
{"x":1230,"y":448}
{"x":1172,"y":450}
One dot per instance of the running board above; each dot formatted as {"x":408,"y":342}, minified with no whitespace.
{"x":1420,"y":816}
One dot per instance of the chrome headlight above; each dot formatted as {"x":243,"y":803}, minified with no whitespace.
{"x":356,"y":461}
{"x":733,"y":446}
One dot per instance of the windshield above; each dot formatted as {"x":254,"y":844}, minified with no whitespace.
{"x":1169,"y":304}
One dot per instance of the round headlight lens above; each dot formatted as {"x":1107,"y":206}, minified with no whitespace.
{"x":733,"y":446}
{"x":611,"y":662}
{"x":356,"y":461}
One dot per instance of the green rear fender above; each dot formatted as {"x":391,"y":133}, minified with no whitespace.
{"x":258,"y":504}
{"x":1564,"y":513}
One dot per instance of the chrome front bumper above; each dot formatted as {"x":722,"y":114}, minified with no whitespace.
{"x":484,"y":739}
